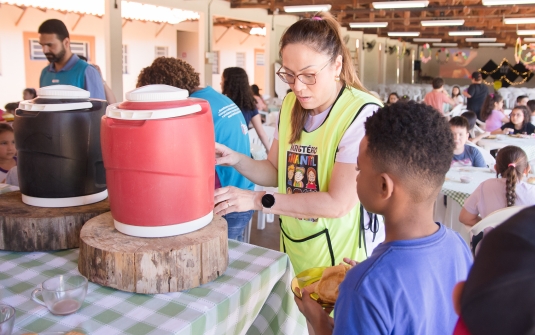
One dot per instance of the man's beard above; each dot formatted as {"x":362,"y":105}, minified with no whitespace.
{"x":52,"y":58}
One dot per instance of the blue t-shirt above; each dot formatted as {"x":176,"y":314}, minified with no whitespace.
{"x":231,"y":131}
{"x":470,"y":157}
{"x":405,"y":287}
{"x":248,"y":115}
{"x":76,"y":72}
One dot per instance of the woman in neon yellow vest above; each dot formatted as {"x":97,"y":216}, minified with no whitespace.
{"x":320,"y":127}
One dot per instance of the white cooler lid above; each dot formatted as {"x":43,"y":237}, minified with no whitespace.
{"x":62,"y":92}
{"x":58,"y":92}
{"x":153,"y":93}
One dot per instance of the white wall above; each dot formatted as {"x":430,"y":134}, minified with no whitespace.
{"x":232,"y":42}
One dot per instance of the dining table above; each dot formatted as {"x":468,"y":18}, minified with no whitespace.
{"x":253,"y":296}
{"x":499,"y":141}
{"x":459,"y":184}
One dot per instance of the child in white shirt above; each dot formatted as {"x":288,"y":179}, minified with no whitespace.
{"x":509,"y":190}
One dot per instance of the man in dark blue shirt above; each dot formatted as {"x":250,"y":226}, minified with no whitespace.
{"x":65,"y":67}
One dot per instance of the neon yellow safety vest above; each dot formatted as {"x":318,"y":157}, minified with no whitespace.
{"x":306,"y":166}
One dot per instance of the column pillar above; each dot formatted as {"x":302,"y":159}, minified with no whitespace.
{"x":114,"y":47}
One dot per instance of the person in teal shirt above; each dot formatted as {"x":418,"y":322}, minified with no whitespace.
{"x":65,"y":67}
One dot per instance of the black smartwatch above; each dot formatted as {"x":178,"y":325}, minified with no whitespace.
{"x":268,"y":200}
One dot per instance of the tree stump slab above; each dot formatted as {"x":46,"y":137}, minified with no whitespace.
{"x":152,"y":265}
{"x":29,"y":228}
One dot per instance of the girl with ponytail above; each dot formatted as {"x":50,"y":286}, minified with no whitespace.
{"x":508,"y":189}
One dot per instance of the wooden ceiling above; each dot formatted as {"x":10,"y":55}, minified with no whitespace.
{"x":476,"y":16}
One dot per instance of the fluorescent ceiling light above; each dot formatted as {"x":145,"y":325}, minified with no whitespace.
{"x":436,"y":23}
{"x":466,"y":33}
{"x":520,"y":20}
{"x":399,"y":4}
{"x":444,"y":44}
{"x":368,"y":24}
{"x":258,"y":31}
{"x":404,"y":33}
{"x":481,"y":39}
{"x":529,"y":39}
{"x":491,"y":44}
{"x":506,"y":2}
{"x":307,"y":8}
{"x":427,"y":40}
{"x":525,"y":32}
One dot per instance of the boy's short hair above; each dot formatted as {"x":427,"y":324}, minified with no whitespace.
{"x":170,"y":71}
{"x":476,"y":75}
{"x":499,"y":293}
{"x":459,"y":121}
{"x":520,"y":97}
{"x":531,"y":105}
{"x":11,"y":106}
{"x":413,"y":142}
{"x":54,"y":26}
{"x":438,"y":82}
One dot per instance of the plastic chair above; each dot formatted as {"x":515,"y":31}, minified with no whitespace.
{"x":492,"y":220}
{"x":481,"y":124}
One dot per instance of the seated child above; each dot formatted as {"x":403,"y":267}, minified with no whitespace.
{"x":492,"y":112}
{"x":519,"y":124}
{"x":471,"y":117}
{"x":405,"y":286}
{"x":522,"y":100}
{"x":464,"y":154}
{"x":438,"y":96}
{"x":499,"y":294}
{"x":7,"y":150}
{"x":509,"y":190}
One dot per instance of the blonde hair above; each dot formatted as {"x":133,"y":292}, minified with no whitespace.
{"x":323,"y":34}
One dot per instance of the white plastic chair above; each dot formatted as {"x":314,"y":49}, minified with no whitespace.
{"x":493,"y":220}
{"x":481,"y":124}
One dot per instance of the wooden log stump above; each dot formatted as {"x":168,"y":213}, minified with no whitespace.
{"x":152,"y":265}
{"x":29,"y":228}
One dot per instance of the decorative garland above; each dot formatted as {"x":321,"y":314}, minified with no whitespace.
{"x":528,"y":58}
{"x":524,"y":75}
{"x":423,"y":58}
{"x":460,"y":54}
{"x":447,"y":51}
{"x":401,"y":54}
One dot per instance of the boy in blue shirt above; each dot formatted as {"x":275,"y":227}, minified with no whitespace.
{"x":405,"y":286}
{"x":464,"y":154}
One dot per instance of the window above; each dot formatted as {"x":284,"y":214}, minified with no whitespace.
{"x":240,"y":59}
{"x":125,"y":59}
{"x":215,"y":62}
{"x":79,"y":48}
{"x":160,"y":52}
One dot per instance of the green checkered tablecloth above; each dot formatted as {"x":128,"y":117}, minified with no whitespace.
{"x":252,"y":297}
{"x":458,"y":191}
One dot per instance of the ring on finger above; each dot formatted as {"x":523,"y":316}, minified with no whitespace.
{"x":228,"y":204}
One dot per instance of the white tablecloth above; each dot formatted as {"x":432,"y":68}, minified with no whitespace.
{"x":527,"y":144}
{"x":447,"y":209}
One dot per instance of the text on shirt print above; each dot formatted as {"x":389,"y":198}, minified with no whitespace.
{"x":229,"y":111}
{"x":302,"y":171}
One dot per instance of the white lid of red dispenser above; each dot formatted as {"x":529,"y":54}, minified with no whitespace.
{"x":57,"y":92}
{"x":153,"y":102}
{"x":151,"y":93}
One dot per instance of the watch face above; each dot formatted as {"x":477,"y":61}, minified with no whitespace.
{"x":268,"y":200}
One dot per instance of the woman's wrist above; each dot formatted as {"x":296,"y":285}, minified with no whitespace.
{"x":257,"y":200}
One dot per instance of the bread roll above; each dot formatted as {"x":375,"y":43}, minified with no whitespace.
{"x":327,"y":288}
{"x":531,"y":180}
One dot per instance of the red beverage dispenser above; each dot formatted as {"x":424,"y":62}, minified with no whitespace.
{"x":159,"y":156}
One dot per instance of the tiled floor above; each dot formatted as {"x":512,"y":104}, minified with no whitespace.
{"x":268,"y":237}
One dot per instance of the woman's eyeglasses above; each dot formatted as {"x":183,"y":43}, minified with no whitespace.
{"x":307,"y":79}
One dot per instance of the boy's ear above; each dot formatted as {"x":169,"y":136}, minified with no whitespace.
{"x":387,"y":187}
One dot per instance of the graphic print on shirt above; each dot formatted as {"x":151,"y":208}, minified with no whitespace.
{"x":229,"y":111}
{"x":301,"y":167}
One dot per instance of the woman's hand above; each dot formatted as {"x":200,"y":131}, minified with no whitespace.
{"x":350,"y":262}
{"x":225,"y":156}
{"x":231,"y":199}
